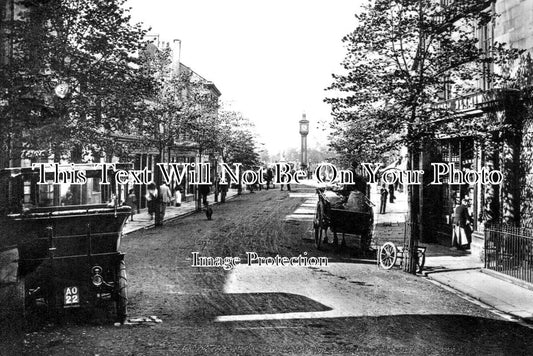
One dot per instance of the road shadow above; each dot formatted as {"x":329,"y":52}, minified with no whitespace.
{"x":404,"y":334}
{"x":407,"y":334}
{"x":192,"y":308}
{"x":204,"y":308}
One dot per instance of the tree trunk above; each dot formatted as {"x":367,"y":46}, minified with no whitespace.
{"x":411,"y":223}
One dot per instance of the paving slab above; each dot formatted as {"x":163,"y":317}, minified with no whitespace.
{"x":502,"y":295}
{"x":459,"y":270}
{"x":142,"y":219}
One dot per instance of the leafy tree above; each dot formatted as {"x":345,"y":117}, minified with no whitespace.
{"x":402,"y":56}
{"x":236,"y":139}
{"x":264,"y":156}
{"x":371,"y":139}
{"x":72,"y":78}
{"x":180,"y":107}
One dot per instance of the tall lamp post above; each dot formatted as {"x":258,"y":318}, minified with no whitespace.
{"x":304,"y":130}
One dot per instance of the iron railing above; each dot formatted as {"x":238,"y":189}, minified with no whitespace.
{"x":509,"y":250}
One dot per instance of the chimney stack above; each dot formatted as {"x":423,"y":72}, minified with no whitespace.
{"x":176,"y":55}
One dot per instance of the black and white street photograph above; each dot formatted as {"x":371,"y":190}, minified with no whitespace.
{"x":238,"y":177}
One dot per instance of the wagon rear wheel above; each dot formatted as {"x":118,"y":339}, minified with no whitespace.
{"x":122,"y":293}
{"x":388,"y":254}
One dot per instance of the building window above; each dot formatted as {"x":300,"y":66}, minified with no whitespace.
{"x":27,"y":192}
{"x":46,"y":194}
{"x":95,"y":186}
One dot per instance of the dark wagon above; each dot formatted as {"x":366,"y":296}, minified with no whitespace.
{"x":332,"y":213}
{"x":63,"y":256}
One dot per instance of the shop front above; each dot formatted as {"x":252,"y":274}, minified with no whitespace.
{"x":469,"y":156}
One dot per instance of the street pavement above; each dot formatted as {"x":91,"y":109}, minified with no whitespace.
{"x":142,"y":219}
{"x":458,"y":270}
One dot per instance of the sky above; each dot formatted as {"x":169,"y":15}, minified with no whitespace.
{"x":271,"y":60}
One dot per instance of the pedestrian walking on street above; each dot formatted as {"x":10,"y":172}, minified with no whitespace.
{"x":204,"y":192}
{"x":151,"y":199}
{"x":268,"y":177}
{"x":391,"y":193}
{"x":216,"y":187}
{"x":291,"y":171}
{"x":131,"y":201}
{"x":177,"y":196}
{"x":223,"y":192}
{"x":288,"y":186}
{"x":166,"y":197}
{"x":384,"y":192}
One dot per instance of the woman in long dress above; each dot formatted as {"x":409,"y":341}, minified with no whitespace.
{"x":461,"y":226}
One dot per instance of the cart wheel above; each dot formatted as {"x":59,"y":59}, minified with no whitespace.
{"x":122,"y":293}
{"x":387,"y":255}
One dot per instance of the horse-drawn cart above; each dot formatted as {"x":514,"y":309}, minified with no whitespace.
{"x":349,"y":213}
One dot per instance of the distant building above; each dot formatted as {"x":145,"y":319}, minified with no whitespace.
{"x":184,"y":148}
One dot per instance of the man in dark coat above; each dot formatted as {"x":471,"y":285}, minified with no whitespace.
{"x":204,"y":192}
{"x":269,"y":176}
{"x":384,"y":192}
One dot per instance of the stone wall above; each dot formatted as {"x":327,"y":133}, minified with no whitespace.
{"x":514,"y":25}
